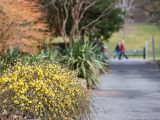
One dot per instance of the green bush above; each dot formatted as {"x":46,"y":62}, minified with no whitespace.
{"x":44,"y":91}
{"x":9,"y":57}
{"x":88,"y":60}
{"x":50,"y":56}
{"x":12,"y":56}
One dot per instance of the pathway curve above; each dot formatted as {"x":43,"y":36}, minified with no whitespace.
{"x":130,"y":92}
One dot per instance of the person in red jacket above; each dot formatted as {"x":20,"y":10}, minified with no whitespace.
{"x":122,"y":50}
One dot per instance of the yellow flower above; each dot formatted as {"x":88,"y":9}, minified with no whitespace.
{"x":16,"y":102}
{"x":45,"y":90}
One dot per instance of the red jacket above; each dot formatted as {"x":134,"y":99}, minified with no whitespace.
{"x":122,"y":47}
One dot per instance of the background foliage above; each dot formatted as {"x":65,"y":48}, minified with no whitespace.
{"x":104,"y":17}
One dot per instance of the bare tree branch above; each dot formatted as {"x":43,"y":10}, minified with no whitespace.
{"x":104,"y":13}
{"x":73,"y":12}
{"x":64,"y":23}
{"x":87,"y":7}
{"x":77,"y":14}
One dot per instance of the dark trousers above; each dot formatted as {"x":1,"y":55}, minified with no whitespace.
{"x":122,"y":54}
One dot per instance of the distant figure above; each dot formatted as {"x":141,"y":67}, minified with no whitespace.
{"x":117,"y":50}
{"x":122,"y":50}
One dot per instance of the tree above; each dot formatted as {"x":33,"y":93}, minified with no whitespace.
{"x":141,"y":10}
{"x":22,"y":24}
{"x":102,"y":20}
{"x":127,"y":7}
{"x":153,"y":10}
{"x":77,"y":17}
{"x":7,"y":26}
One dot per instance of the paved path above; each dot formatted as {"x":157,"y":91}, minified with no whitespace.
{"x":130,"y":92}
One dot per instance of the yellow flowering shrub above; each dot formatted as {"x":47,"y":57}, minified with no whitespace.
{"x":43,"y":91}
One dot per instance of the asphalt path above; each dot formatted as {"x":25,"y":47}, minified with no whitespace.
{"x":131,"y":91}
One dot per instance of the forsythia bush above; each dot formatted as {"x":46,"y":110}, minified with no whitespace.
{"x":44,"y":91}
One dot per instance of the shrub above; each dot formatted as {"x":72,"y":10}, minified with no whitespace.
{"x":9,"y":57}
{"x":43,"y":91}
{"x":49,"y":56}
{"x":88,"y":60}
{"x":12,"y":56}
{"x":22,"y":26}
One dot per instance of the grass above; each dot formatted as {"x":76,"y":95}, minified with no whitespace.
{"x":136,"y":36}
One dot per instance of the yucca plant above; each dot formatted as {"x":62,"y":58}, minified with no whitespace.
{"x":88,"y":60}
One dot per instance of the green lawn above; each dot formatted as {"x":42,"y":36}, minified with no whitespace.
{"x":136,"y":36}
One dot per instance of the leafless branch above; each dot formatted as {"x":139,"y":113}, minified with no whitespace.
{"x":65,"y":22}
{"x":104,"y":13}
{"x":87,"y":7}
